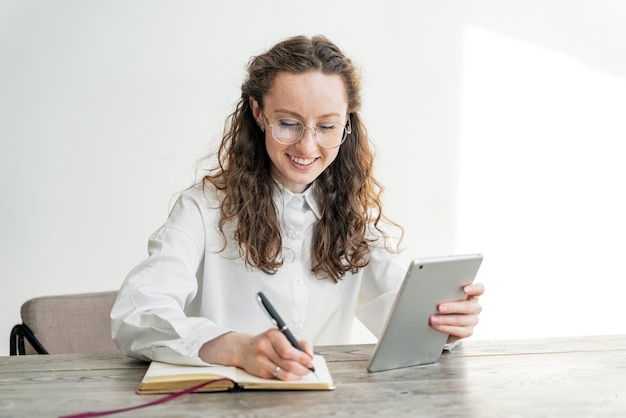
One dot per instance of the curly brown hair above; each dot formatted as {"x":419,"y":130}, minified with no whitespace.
{"x":347,"y":192}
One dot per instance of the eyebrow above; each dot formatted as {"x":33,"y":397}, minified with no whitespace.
{"x":297,"y":115}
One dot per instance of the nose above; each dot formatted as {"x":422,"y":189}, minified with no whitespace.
{"x":308,"y":140}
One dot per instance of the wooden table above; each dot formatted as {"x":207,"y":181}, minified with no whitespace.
{"x":563,"y":377}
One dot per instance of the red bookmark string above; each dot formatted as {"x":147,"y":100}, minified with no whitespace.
{"x":154,"y":402}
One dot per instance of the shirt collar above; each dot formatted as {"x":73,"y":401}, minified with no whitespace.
{"x":285,"y":197}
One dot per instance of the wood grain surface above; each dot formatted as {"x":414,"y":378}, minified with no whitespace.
{"x":559,"y":377}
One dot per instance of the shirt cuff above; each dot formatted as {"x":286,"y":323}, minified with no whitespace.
{"x":451,"y":346}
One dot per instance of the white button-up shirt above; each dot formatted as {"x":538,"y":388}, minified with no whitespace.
{"x":191,"y":289}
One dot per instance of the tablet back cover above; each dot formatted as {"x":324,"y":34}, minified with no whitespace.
{"x":408,"y":339}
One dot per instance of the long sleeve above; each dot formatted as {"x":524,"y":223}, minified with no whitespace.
{"x":380,"y":283}
{"x":150,"y":317}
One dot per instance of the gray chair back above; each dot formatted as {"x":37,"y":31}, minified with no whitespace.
{"x":66,"y":324}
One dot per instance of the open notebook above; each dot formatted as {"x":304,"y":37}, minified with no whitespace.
{"x":168,"y":378}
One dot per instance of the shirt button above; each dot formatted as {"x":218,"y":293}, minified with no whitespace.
{"x":297,"y":202}
{"x":294,"y":234}
{"x":298,"y":281}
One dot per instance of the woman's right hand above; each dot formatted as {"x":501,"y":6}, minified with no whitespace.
{"x":268,"y":355}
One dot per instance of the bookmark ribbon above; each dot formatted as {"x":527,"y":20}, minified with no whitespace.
{"x":151,"y":403}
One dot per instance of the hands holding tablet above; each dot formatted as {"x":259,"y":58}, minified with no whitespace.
{"x":458,"y":319}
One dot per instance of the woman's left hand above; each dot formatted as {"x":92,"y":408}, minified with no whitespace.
{"x":458,"y":319}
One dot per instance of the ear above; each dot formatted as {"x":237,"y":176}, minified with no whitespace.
{"x":256,"y":109}
{"x":256,"y":112}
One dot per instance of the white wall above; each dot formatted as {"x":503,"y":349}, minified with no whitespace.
{"x":502,"y":121}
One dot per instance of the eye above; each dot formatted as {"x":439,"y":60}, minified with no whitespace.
{"x":288,"y":123}
{"x":327,"y":127}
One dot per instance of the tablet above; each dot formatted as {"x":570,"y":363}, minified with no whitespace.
{"x":408,"y":339}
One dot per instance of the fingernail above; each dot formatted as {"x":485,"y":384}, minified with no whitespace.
{"x":467,"y":288}
{"x":443,"y":309}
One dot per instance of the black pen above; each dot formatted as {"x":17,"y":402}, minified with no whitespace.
{"x":278,"y":321}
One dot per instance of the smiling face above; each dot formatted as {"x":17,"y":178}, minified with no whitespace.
{"x":313,"y":98}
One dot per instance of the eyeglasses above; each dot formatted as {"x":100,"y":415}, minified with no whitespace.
{"x":288,"y":131}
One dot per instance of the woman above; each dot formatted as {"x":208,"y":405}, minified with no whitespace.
{"x":291,"y":209}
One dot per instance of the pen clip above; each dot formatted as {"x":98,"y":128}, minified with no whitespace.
{"x":259,"y":298}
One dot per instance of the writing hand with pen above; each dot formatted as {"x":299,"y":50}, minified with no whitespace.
{"x":274,"y":353}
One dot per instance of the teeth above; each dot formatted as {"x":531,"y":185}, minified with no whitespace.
{"x":302,"y":161}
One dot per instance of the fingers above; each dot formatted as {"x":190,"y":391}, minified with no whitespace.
{"x":308,"y":347}
{"x":457,"y":332}
{"x":474,"y":290}
{"x":460,"y":326}
{"x":458,"y":319}
{"x":279,"y":359}
{"x":469,"y":306}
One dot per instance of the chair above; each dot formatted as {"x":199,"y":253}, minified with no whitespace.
{"x":65,"y":324}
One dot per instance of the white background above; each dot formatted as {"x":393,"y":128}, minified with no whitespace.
{"x":499,"y":128}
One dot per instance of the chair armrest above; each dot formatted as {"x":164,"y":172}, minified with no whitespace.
{"x":18,"y":333}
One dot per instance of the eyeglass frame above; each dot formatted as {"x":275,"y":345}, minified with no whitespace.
{"x":347,"y":130}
